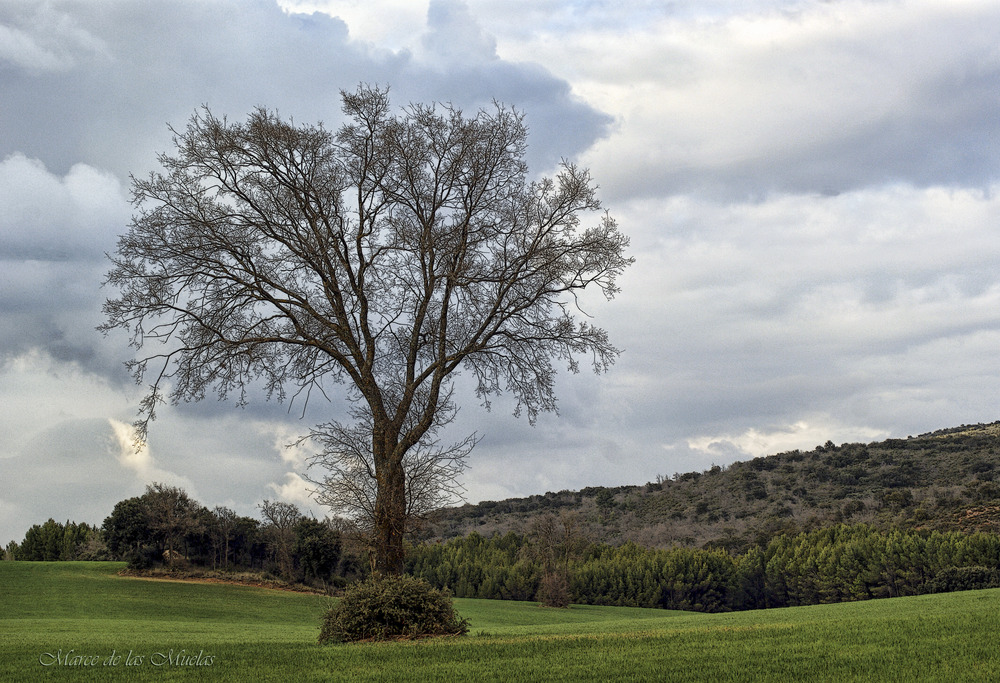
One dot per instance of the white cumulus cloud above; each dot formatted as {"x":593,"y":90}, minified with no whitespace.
{"x":761,"y":442}
{"x":136,"y":457}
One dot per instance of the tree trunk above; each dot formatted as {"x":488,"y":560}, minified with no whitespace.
{"x":390,"y":513}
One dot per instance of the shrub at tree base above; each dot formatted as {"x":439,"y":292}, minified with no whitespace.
{"x":387,"y":607}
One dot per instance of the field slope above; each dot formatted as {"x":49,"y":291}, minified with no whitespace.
{"x":80,"y":622}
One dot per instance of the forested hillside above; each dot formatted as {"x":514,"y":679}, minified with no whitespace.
{"x":942,"y":480}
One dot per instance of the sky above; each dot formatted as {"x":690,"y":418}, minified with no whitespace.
{"x":811,"y":189}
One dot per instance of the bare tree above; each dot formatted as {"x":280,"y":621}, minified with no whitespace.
{"x":386,"y":256}
{"x":279,"y":531}
{"x":350,"y":483}
{"x":552,"y":542}
{"x":224,"y":524}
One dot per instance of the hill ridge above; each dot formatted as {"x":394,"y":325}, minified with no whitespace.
{"x":942,"y":479}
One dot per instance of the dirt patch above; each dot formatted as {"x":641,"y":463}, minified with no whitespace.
{"x":154,"y":575}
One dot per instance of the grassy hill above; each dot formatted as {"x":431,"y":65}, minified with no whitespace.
{"x":948,"y":480}
{"x":79,"y":621}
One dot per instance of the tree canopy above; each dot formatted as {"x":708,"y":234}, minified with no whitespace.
{"x":385,"y":256}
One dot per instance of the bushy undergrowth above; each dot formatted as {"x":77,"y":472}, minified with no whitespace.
{"x":388,"y":607}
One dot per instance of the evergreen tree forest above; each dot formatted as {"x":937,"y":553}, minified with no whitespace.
{"x":835,"y":564}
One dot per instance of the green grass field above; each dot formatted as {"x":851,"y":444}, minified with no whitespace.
{"x":80,"y":621}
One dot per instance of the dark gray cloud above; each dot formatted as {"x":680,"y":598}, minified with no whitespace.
{"x":155,"y":64}
{"x":122,"y":71}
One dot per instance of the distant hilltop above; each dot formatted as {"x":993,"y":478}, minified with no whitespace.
{"x":948,"y":479}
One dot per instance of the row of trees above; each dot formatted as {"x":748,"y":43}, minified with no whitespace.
{"x":54,"y":541}
{"x":552,"y":563}
{"x":841,"y":563}
{"x":166,"y":526}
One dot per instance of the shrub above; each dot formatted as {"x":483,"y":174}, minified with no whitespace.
{"x":142,"y":558}
{"x":386,"y":607}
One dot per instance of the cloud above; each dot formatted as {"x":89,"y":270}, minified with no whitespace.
{"x":74,"y":134}
{"x":54,"y":231}
{"x":295,"y":490}
{"x":455,"y":37}
{"x":40,"y":38}
{"x":76,"y":468}
{"x":236,"y":55}
{"x":51,"y":218}
{"x":293,"y":487}
{"x":390,"y":28}
{"x":779,"y":97}
{"x":801,"y":435}
{"x":137,"y":458}
{"x":39,"y":391}
{"x":739,"y":315}
{"x":836,"y":265}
